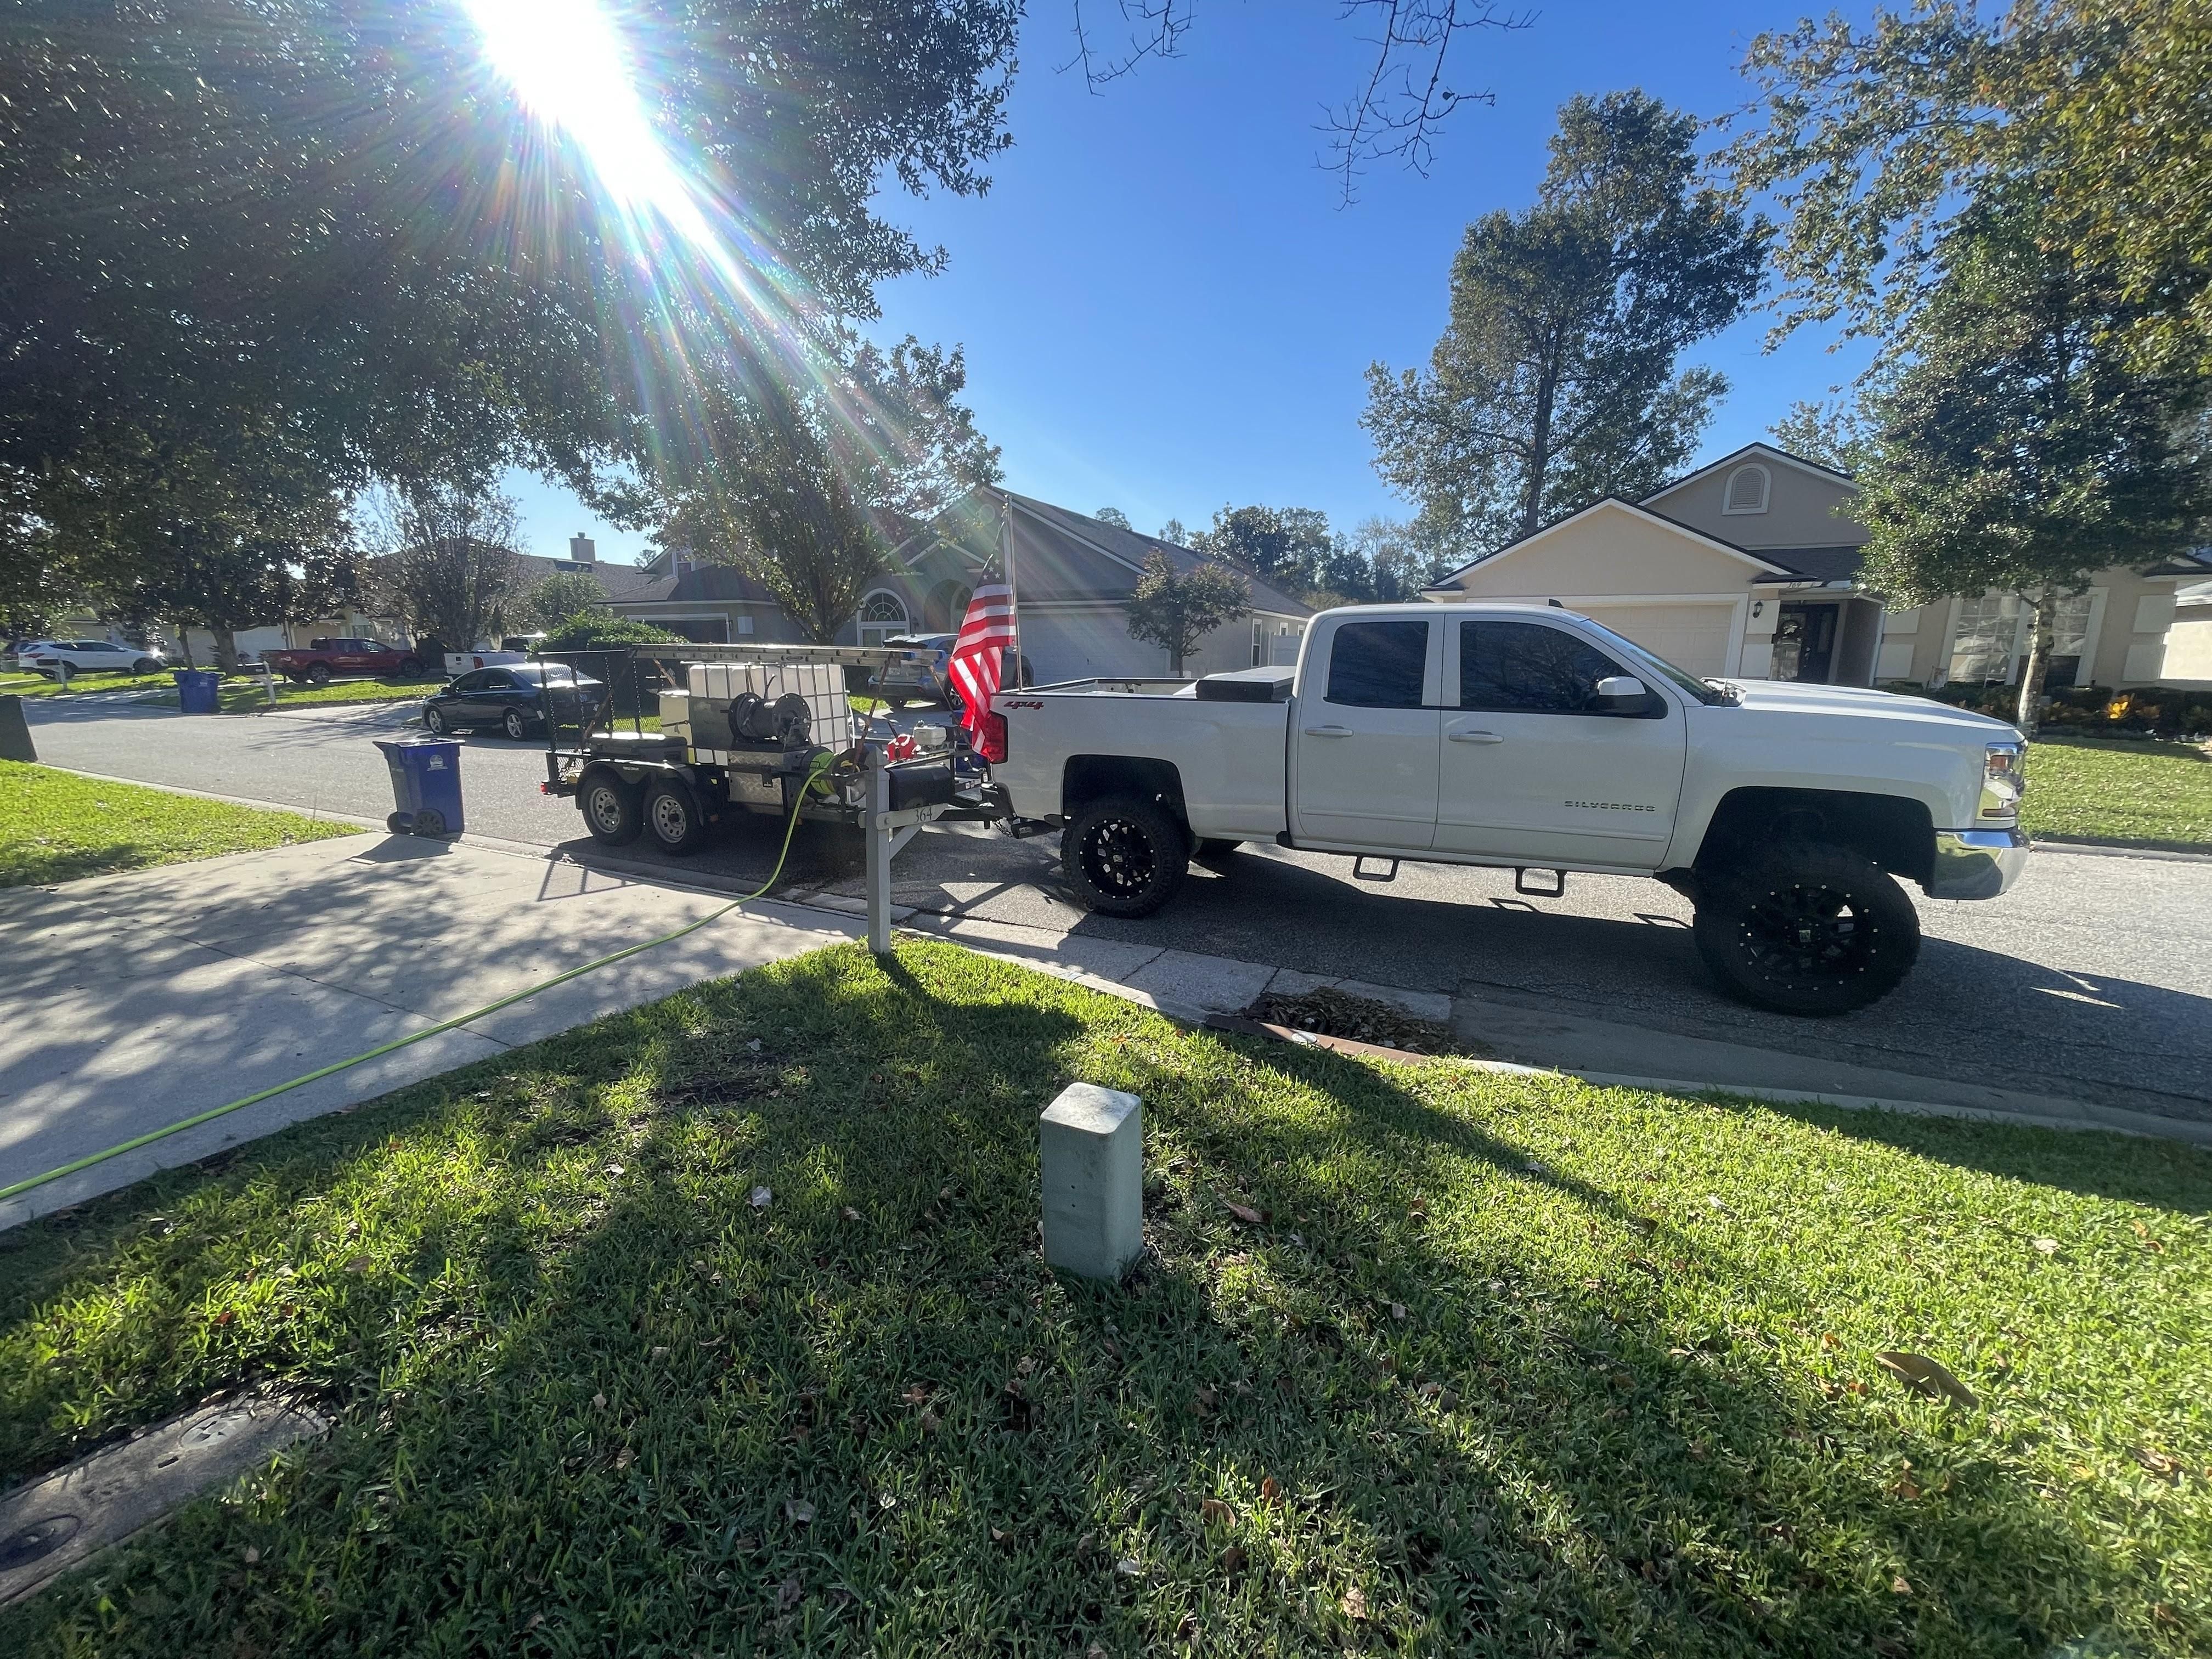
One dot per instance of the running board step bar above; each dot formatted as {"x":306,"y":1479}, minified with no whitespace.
{"x":1360,"y":869}
{"x":1557,"y":889}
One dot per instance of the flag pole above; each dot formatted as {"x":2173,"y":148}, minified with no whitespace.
{"x":1007,"y":562}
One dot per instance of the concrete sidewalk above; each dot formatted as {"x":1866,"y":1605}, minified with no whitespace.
{"x":138,"y":1000}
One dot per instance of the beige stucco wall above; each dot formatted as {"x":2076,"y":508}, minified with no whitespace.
{"x":2131,"y":642}
{"x":1609,"y":551}
{"x":2189,"y":648}
{"x":1798,"y":509}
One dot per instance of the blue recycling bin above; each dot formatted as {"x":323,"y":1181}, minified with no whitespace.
{"x":425,"y":786}
{"x":197,"y":690}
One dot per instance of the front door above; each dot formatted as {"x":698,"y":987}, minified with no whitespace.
{"x":1365,"y":747}
{"x":1804,"y":644}
{"x":1536,"y":769}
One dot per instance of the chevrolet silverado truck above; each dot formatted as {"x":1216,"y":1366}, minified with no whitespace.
{"x":1534,"y":738}
{"x":319,"y":661}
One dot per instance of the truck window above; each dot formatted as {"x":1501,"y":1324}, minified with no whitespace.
{"x":1528,"y":668}
{"x":1378,"y":665}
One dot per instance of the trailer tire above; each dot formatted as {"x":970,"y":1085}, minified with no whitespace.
{"x":613,"y":811}
{"x":673,"y":819}
{"x":1124,"y":855}
{"x":1806,"y":929}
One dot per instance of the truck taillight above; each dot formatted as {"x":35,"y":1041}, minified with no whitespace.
{"x":991,"y":738}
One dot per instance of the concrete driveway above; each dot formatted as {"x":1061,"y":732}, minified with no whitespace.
{"x":2093,"y":979}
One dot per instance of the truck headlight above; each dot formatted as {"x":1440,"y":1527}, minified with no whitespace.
{"x":2004,"y":779}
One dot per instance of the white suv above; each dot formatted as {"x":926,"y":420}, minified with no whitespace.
{"x":87,"y":657}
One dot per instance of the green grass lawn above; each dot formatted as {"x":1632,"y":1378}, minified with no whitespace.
{"x":720,"y":1327}
{"x":245,"y":696}
{"x":37,"y":685}
{"x":57,"y":826}
{"x":2151,"y":794}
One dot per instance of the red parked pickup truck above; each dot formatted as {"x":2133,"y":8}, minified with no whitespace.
{"x":322,"y":660}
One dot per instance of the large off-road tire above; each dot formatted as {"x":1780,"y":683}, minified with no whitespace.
{"x":1806,"y":929}
{"x":319,"y":673}
{"x":1215,"y":852}
{"x":614,"y":811}
{"x":672,"y":818}
{"x":1124,"y":855}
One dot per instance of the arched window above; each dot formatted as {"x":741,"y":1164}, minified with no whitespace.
{"x":883,"y":614}
{"x":1746,"y":489}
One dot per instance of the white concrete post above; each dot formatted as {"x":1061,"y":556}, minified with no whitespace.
{"x":1091,"y":1152}
{"x":879,"y":833}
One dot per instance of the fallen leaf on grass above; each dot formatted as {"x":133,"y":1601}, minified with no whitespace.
{"x":1397,"y":1310}
{"x":253,"y":1555}
{"x":797,"y":1511}
{"x":1129,"y":1567}
{"x":598,"y":1402}
{"x":624,"y":1458}
{"x":2157,"y":1463}
{"x":1354,"y":1603}
{"x":1271,"y":1490}
{"x":613,"y":1169}
{"x":787,"y":1594}
{"x":1188,"y":1630}
{"x":850,"y":1214}
{"x":1232,"y":1559}
{"x":359,"y":1264}
{"x":1215,"y":1513}
{"x":2046,"y":1245}
{"x":929,"y":1422}
{"x":1024,"y":1366}
{"x":1245,"y":1213}
{"x":1899,"y":1586}
{"x":1924,"y":1376}
{"x":536,"y":1619}
{"x":1418,"y":1209}
{"x":761,"y":1197}
{"x":659,"y":1352}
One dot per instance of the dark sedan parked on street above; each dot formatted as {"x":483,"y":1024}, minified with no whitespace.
{"x":514,"y":698}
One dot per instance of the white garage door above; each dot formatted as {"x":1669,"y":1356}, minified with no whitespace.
{"x":1692,"y":636}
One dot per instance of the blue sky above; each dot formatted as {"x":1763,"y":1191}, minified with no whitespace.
{"x":1165,"y":309}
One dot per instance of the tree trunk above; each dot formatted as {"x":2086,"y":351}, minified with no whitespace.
{"x":2038,"y":664}
{"x":185,"y":642}
{"x":1540,"y":452}
{"x":226,"y":650}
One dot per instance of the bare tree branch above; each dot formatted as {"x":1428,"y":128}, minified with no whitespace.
{"x":1157,"y":30}
{"x":1396,"y":113}
{"x":1405,"y":100}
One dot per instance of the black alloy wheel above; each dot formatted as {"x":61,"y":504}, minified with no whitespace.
{"x":1807,"y":929}
{"x":1125,"y":855}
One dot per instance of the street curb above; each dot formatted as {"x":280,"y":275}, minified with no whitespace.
{"x":2094,"y":849}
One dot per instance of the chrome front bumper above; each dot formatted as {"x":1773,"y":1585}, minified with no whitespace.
{"x":1976,"y":864}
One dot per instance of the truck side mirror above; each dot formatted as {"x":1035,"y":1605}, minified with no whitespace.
{"x":1621,"y":688}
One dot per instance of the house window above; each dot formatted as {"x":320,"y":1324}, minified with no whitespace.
{"x":1982,"y":647}
{"x":2070,"y":642}
{"x":883,"y":614}
{"x":1259,"y":640}
{"x":1746,"y":490}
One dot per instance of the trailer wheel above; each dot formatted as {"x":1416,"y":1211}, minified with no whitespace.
{"x":613,"y":811}
{"x":1806,"y":929}
{"x":673,"y":819}
{"x":1124,"y":855}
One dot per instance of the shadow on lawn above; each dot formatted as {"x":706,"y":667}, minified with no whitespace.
{"x":578,"y":1410}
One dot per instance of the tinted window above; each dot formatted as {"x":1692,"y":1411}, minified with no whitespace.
{"x":1378,"y":665}
{"x":475,"y":682}
{"x":1529,"y":667}
{"x":495,"y":681}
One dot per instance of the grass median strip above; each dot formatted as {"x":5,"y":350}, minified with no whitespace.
{"x":2141,"y":795}
{"x":721,"y":1325}
{"x":57,"y":826}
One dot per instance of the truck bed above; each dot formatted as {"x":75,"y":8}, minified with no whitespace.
{"x":1234,"y":751}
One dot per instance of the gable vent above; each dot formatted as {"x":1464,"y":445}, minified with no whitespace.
{"x":1746,"y":490}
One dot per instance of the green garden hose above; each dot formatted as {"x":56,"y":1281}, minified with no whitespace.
{"x":821,"y":763}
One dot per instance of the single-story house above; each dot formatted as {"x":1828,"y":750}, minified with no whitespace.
{"x":1071,"y":573}
{"x":1750,"y":567}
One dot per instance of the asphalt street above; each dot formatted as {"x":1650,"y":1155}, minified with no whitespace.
{"x":2092,"y":978}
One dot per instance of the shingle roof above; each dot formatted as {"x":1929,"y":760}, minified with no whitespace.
{"x":618,"y":581}
{"x":1064,"y":555}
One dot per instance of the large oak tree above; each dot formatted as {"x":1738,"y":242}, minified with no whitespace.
{"x":1555,"y":381}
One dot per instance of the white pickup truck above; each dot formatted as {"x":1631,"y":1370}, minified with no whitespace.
{"x":1532,"y":737}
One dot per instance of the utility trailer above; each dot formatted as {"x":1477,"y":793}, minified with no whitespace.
{"x":755,"y":730}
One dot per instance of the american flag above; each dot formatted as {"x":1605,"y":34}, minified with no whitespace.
{"x":987,"y":633}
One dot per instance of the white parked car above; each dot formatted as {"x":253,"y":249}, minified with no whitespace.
{"x":1534,"y":738}
{"x":88,"y":657}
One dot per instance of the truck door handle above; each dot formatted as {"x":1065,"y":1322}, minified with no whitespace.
{"x":1475,"y":736}
{"x":1328,"y":731}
